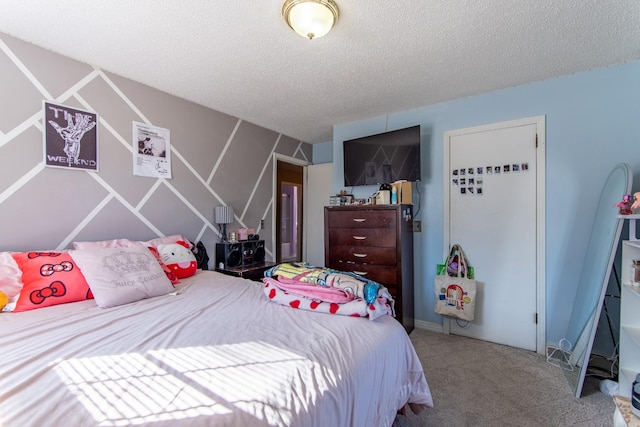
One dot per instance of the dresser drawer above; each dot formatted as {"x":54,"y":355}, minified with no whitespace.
{"x":385,"y":275}
{"x":363,"y":255}
{"x":385,"y":237}
{"x":362,"y":218}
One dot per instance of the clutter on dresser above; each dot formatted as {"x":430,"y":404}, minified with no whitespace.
{"x":341,"y":199}
{"x":383,"y":196}
{"x":398,"y":192}
{"x":244,"y":233}
{"x":395,"y":193}
{"x":403,"y":192}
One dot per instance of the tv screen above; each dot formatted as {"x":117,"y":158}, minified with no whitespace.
{"x":382,"y":158}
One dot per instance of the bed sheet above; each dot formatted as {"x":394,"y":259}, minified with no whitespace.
{"x":217,"y":352}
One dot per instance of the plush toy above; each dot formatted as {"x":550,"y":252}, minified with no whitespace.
{"x":4,"y":300}
{"x":625,"y":206}
{"x":179,"y":258}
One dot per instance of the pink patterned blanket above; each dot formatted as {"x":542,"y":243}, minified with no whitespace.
{"x":327,"y":291}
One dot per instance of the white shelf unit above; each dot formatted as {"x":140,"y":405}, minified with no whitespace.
{"x":629,"y":320}
{"x":633,"y":218}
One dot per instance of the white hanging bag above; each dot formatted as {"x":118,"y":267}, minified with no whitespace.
{"x":456,"y":296}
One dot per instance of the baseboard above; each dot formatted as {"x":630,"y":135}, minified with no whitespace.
{"x":429,"y":326}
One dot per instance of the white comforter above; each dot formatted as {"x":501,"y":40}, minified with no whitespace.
{"x":217,"y":353}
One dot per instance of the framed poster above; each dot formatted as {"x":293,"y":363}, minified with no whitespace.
{"x":70,"y":137}
{"x":151,"y":151}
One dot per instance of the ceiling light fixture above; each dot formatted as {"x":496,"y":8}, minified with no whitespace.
{"x":310,"y":18}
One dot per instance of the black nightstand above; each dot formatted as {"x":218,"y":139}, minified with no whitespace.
{"x":252,"y":272}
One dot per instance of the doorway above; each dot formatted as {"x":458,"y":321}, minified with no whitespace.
{"x":288,"y":218}
{"x":494,"y":208}
{"x":289,"y":222}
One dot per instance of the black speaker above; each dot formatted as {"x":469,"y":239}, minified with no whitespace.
{"x":248,"y":249}
{"x":258,"y":254}
{"x":229,"y":254}
{"x":252,"y":251}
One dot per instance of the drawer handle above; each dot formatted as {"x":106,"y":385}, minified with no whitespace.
{"x":361,"y":273}
{"x":360,"y":255}
{"x":359,"y":219}
{"x":359,"y":237}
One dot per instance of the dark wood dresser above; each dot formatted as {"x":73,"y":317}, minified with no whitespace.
{"x":376,"y":242}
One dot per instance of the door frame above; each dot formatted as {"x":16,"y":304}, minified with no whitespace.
{"x":274,"y":201}
{"x":539,"y":121}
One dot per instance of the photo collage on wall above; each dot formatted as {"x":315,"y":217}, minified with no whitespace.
{"x":471,"y":181}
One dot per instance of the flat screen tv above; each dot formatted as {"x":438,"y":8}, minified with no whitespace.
{"x":382,"y":158}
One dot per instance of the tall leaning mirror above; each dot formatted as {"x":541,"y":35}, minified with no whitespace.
{"x":601,"y":251}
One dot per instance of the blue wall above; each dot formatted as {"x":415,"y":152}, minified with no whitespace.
{"x":322,"y":152}
{"x":592,"y":124}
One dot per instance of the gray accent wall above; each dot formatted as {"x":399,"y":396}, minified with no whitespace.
{"x":216,"y":160}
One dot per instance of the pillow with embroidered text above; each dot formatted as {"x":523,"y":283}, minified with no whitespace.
{"x":119,"y":276}
{"x":49,"y":278}
{"x":126,"y":243}
{"x":103,"y":244}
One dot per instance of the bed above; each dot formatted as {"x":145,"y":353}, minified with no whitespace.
{"x":215,"y":351}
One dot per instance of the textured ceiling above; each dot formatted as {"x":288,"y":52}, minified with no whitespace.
{"x":240,"y":57}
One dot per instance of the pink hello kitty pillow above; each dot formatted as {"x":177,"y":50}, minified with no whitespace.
{"x":179,"y":258}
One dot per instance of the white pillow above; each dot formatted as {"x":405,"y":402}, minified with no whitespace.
{"x":103,"y":244}
{"x":126,"y":243}
{"x":119,"y":276}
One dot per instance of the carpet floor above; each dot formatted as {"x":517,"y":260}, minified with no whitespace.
{"x":478,"y":383}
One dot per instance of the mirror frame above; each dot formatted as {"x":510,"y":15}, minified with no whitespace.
{"x":594,"y":276}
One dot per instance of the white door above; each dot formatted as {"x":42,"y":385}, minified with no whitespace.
{"x":494,"y":208}
{"x":319,"y":187}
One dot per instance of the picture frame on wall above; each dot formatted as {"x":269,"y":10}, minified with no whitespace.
{"x":152,"y":151}
{"x":70,"y":137}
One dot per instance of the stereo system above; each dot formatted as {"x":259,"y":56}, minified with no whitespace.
{"x":239,"y":254}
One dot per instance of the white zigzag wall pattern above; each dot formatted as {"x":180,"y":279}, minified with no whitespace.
{"x":216,"y":160}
